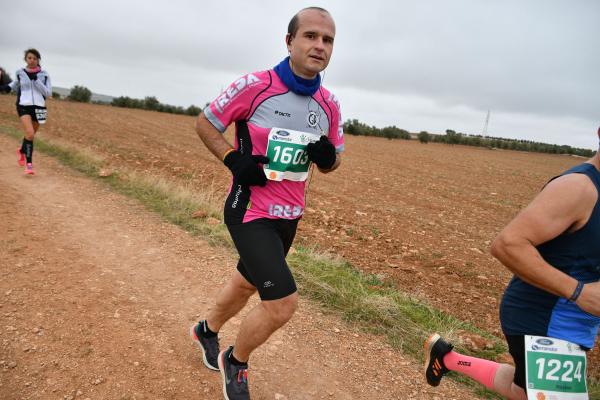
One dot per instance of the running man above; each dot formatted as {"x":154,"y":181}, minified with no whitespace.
{"x":32,"y":84}
{"x":552,"y":249}
{"x":284,"y":121}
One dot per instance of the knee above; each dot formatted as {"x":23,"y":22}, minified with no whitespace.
{"x":29,"y":134}
{"x":282,"y":310}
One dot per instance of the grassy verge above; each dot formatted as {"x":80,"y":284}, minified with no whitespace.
{"x":361,"y":299}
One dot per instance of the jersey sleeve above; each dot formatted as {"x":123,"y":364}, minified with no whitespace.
{"x":14,"y":85}
{"x":43,"y":84}
{"x":234,"y":103}
{"x":336,"y":129}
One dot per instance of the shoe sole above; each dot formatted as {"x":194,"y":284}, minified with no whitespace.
{"x":427,"y":346}
{"x":197,"y":341}
{"x":222,"y":370}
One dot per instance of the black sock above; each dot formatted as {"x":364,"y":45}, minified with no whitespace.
{"x":28,"y":149}
{"x":22,"y":146}
{"x":235,"y":361}
{"x":205,"y":331}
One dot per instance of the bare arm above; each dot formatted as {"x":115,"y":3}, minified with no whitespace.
{"x":564,"y":205}
{"x":212,"y":138}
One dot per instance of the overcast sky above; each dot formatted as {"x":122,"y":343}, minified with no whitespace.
{"x":419,"y":65}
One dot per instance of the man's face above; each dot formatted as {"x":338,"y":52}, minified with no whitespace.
{"x":310,"y":49}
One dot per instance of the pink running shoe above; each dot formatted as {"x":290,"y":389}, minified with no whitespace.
{"x":21,"y":157}
{"x":29,"y":169}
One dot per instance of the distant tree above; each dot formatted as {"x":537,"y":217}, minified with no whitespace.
{"x":390,"y":132}
{"x":452,"y":137}
{"x":404,"y":134}
{"x":81,"y":94}
{"x":120,"y":101}
{"x":423,"y":137}
{"x":151,"y":103}
{"x":193,"y":110}
{"x":56,"y":95}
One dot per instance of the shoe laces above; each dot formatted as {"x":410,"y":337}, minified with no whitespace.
{"x":242,"y":376}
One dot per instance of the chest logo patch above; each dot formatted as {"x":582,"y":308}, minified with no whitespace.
{"x":313,"y":119}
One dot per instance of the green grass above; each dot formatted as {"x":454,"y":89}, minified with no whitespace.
{"x":363,"y":300}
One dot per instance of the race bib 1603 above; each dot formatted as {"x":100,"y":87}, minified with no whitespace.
{"x":555,"y":369}
{"x":286,"y":151}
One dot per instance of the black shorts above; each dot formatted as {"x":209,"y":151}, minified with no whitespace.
{"x":516,"y":348}
{"x":263,"y":245}
{"x":37,"y":114}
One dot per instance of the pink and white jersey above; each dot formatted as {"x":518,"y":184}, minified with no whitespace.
{"x":256,"y":103}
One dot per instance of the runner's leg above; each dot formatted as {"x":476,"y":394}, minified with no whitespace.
{"x":30,"y":129}
{"x":261,"y":322}
{"x":504,"y":379}
{"x":504,"y":385}
{"x":232,"y":298}
{"x":494,"y":376}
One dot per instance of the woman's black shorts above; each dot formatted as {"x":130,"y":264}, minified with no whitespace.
{"x":37,"y":114}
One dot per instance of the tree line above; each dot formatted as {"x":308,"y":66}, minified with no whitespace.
{"x":151,"y":103}
{"x":84,"y":95}
{"x":355,"y":127}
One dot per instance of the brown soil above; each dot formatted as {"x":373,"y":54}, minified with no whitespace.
{"x":97,"y":295}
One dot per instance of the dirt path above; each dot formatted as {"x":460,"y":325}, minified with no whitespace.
{"x":97,"y":295}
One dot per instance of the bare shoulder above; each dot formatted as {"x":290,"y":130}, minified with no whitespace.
{"x":570,"y":197}
{"x":578,"y":186}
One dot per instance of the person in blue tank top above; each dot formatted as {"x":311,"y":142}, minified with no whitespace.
{"x":553,"y":249}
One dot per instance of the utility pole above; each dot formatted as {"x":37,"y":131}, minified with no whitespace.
{"x":485,"y":126}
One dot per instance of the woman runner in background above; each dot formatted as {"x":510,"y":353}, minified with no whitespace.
{"x":32,"y":85}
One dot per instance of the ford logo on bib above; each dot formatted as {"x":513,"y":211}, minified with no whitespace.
{"x":545,"y":342}
{"x":283,"y":133}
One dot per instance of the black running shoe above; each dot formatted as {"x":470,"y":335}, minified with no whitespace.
{"x":235,"y":378}
{"x":435,"y":350}
{"x":209,"y":346}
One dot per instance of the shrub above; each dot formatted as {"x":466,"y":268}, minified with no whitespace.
{"x":81,"y":94}
{"x":424,"y":137}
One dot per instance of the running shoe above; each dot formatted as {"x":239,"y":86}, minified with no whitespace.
{"x":435,"y":350}
{"x":209,"y":346}
{"x":235,"y":378}
{"x":29,"y":169}
{"x":20,"y":157}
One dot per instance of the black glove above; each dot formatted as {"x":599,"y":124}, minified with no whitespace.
{"x":245,"y":168}
{"x":32,"y":75}
{"x":321,"y":153}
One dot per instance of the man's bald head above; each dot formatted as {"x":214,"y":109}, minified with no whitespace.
{"x":295,"y":21}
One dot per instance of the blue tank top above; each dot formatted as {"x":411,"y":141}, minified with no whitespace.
{"x":527,"y":310}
